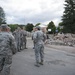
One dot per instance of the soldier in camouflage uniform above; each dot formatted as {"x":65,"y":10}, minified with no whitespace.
{"x":0,"y":29}
{"x":7,"y":47}
{"x":17,"y":35}
{"x":33,"y":35}
{"x":23,"y":38}
{"x":39,"y":39}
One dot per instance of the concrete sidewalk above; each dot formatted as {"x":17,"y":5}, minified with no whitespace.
{"x":62,"y":48}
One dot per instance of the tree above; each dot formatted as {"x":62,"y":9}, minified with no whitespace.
{"x":68,"y":18}
{"x":2,"y":16}
{"x":29,"y":27}
{"x":13,"y":26}
{"x":37,"y":24}
{"x":60,"y":27}
{"x":51,"y":26}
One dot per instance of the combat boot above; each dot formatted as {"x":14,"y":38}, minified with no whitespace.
{"x":37,"y":65}
{"x":41,"y":63}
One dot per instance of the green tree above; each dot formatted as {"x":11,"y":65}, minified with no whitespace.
{"x":37,"y":24}
{"x":51,"y":26}
{"x":2,"y":16}
{"x":13,"y":26}
{"x":60,"y":27}
{"x":68,"y":18}
{"x":29,"y":27}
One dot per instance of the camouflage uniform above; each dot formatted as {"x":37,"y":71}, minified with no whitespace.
{"x":39,"y":39}
{"x":21,"y":38}
{"x":32,"y":36}
{"x":24,"y":39}
{"x":0,"y":29}
{"x":17,"y":35}
{"x":7,"y":47}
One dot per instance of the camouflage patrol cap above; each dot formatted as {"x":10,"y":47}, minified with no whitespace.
{"x":37,"y":27}
{"x":3,"y":26}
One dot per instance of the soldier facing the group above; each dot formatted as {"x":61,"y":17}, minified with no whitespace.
{"x":23,"y":38}
{"x":20,"y":37}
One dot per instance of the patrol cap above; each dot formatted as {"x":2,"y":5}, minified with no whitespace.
{"x":4,"y":26}
{"x":37,"y":27}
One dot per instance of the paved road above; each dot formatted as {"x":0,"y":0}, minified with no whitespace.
{"x":57,"y":62}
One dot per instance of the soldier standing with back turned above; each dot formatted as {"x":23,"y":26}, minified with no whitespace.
{"x":7,"y":47}
{"x":39,"y":39}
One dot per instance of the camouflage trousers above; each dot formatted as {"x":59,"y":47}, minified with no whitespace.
{"x":23,"y":43}
{"x":39,"y":53}
{"x":5,"y":64}
{"x":18,"y":42}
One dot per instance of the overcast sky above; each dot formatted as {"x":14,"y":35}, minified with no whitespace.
{"x":32,"y":11}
